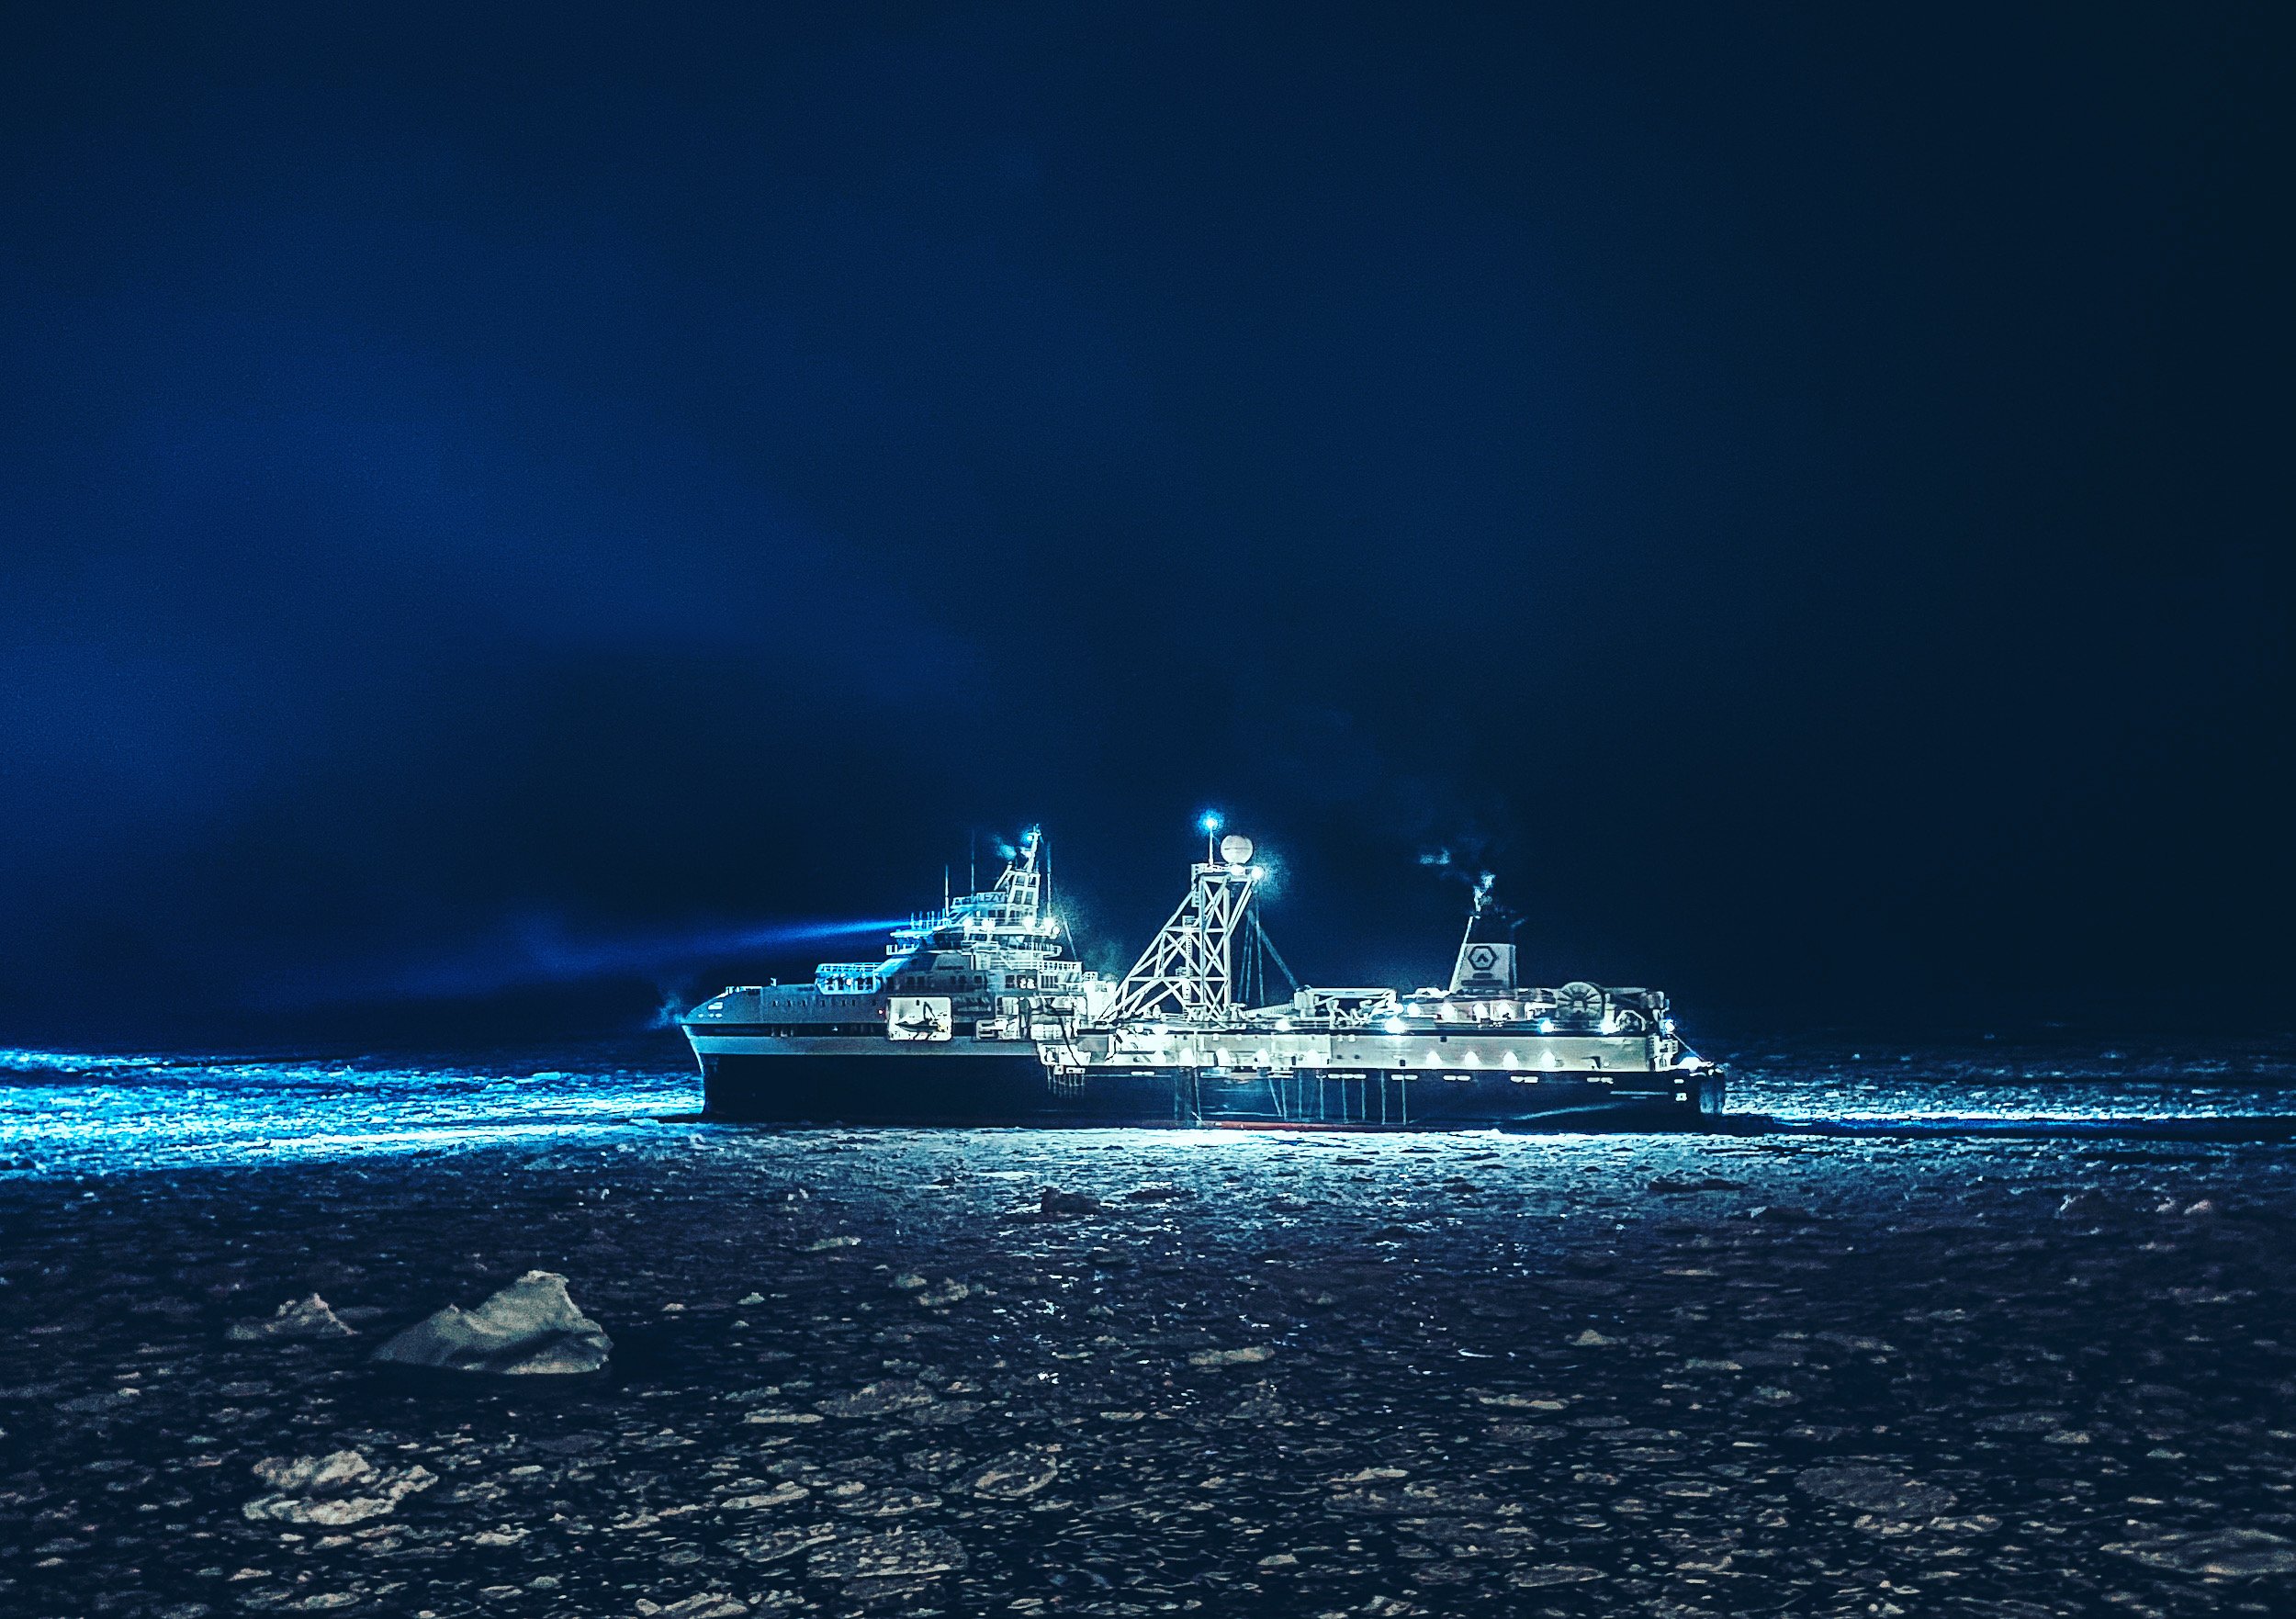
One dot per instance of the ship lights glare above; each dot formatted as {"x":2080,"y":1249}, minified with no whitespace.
{"x":1210,"y":822}
{"x":1693,"y":1063}
{"x":1545,"y":1026}
{"x":1397,"y":1026}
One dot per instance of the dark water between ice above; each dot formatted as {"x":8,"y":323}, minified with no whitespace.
{"x":64,"y":1112}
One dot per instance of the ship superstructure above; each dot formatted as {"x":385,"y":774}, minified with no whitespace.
{"x":958,"y":1003}
{"x":976,"y":1015}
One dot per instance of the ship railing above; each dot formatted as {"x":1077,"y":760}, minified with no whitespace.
{"x":846,"y":978}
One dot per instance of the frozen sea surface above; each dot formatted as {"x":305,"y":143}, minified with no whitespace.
{"x":69,"y":1112}
{"x":1991,"y":1085}
{"x":1818,"y":1368}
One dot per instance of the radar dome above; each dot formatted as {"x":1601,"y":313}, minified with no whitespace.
{"x":1235,"y":848}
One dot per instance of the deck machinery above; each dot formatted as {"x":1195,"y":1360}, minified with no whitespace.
{"x":978,"y":1016}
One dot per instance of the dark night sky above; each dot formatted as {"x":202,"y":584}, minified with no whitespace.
{"x":1804,"y":489}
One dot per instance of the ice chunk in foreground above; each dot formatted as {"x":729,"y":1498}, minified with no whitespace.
{"x":529,"y":1326}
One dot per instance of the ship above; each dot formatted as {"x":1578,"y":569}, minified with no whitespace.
{"x":980,"y":1013}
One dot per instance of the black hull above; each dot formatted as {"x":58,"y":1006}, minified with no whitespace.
{"x":1016,"y":1090}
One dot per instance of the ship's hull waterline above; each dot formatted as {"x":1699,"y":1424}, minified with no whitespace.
{"x":1014,"y":1088}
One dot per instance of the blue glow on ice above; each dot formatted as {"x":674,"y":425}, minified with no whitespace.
{"x":1948,"y":1090}
{"x":67,"y":1113}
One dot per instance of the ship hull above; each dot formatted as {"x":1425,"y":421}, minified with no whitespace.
{"x":1374,"y":1100}
{"x":970,"y":1089}
{"x":1014,"y":1088}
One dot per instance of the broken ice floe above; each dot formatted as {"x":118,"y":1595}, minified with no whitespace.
{"x":331,"y":1491}
{"x":297,"y":1317}
{"x":530,"y":1327}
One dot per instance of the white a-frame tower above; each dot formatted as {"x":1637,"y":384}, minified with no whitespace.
{"x":1187,"y":971}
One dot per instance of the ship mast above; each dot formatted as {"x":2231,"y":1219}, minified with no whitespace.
{"x":1188,"y":969}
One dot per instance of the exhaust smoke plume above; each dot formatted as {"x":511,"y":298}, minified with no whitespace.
{"x":1479,"y":882}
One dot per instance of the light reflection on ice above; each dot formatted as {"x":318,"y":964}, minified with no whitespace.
{"x":70,"y":1113}
{"x":74,"y":1113}
{"x":1993,"y":1085}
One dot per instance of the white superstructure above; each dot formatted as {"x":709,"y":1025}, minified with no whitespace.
{"x":1176,"y":1010}
{"x":987,"y":970}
